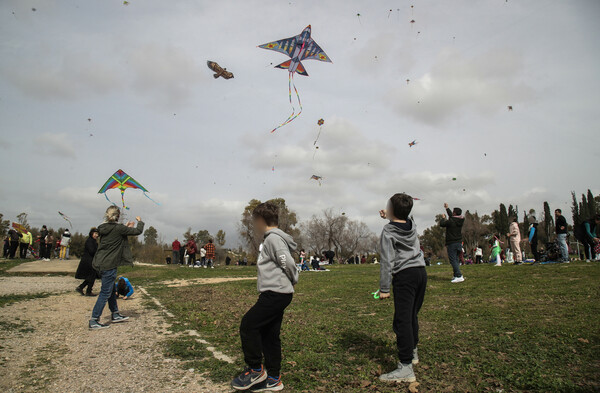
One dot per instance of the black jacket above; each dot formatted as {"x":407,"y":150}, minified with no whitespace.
{"x":85,"y":270}
{"x":561,"y":221}
{"x":453,"y":227}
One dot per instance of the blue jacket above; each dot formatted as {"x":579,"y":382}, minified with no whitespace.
{"x":129,"y":286}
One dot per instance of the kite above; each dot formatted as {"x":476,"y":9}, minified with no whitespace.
{"x":317,"y":178}
{"x":66,"y":219}
{"x":389,"y":13}
{"x":320,"y":124}
{"x":219,"y":72}
{"x":122,"y":181}
{"x":358,"y":16}
{"x":411,"y":144}
{"x":510,"y":108}
{"x":20,"y":228}
{"x":298,"y":48}
{"x":125,"y":3}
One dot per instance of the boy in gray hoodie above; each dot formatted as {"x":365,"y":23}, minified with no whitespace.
{"x":260,"y":327}
{"x":403,"y":268}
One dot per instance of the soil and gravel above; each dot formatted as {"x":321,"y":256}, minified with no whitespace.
{"x":45,"y":345}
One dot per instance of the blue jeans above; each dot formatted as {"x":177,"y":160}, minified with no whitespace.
{"x":175,"y":257}
{"x":454,"y":250}
{"x":107,"y":293}
{"x":562,"y":244}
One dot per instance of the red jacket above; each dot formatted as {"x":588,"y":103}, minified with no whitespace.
{"x":176,"y":245}
{"x":191,"y":247}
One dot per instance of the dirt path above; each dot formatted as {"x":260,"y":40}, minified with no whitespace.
{"x":45,"y":345}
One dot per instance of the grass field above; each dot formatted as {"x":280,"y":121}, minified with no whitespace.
{"x":514,"y":328}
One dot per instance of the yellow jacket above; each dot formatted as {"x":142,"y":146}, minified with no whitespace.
{"x":27,"y":238}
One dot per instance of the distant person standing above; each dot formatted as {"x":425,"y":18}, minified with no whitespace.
{"x":191,"y":249}
{"x":26,"y":241}
{"x":42,"y":239}
{"x":15,"y":239}
{"x":561,"y":234}
{"x":202,"y":256}
{"x":587,"y":233}
{"x":176,"y":246}
{"x":453,"y":225}
{"x":49,"y":245}
{"x":210,"y":254}
{"x":514,"y":236}
{"x":65,"y":240}
{"x":227,"y":260}
{"x":85,"y":270}
{"x":6,"y":249}
{"x":478,"y":255}
{"x":533,"y":238}
{"x":113,"y":251}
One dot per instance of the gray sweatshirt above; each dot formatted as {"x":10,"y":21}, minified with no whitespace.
{"x":277,"y":270}
{"x":400,"y":249}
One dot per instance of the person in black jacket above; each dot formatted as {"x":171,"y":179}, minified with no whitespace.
{"x":42,"y":237}
{"x":533,"y":238}
{"x":85,"y":271}
{"x":587,"y":233}
{"x":561,"y":235}
{"x":453,"y":225}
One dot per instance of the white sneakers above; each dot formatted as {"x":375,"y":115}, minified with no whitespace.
{"x":457,"y":279}
{"x":498,"y":264}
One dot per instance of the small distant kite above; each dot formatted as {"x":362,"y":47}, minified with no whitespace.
{"x":389,"y":13}
{"x":89,"y":119}
{"x":125,"y":3}
{"x":358,"y":16}
{"x":320,"y":124}
{"x":219,"y":72}
{"x":412,"y":21}
{"x":33,"y":9}
{"x":122,"y":181}
{"x":453,"y":179}
{"x":411,"y":144}
{"x":407,"y":81}
{"x":298,"y":48}
{"x":67,"y":219}
{"x":317,"y":178}
{"x":510,"y":108}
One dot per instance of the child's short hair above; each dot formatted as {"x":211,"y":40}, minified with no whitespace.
{"x":122,"y":287}
{"x":268,"y":212}
{"x":457,"y":211}
{"x":401,"y":205}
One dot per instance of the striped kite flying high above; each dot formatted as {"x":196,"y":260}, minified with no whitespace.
{"x":122,"y":181}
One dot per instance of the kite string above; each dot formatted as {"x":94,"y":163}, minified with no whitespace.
{"x":294,"y":115}
{"x":146,"y":195}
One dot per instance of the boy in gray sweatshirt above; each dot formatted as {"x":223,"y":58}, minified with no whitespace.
{"x":260,"y":327}
{"x":403,"y":268}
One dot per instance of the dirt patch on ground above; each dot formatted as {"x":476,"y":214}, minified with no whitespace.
{"x":52,"y":266}
{"x":213,"y":280}
{"x":46,"y":346}
{"x":35,"y":285}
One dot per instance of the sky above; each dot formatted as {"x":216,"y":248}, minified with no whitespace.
{"x":203,"y":147}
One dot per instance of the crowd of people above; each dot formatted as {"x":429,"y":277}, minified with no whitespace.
{"x":185,"y":254}
{"x":19,"y":244}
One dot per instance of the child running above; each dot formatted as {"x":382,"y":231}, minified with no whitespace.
{"x":260,"y":327}
{"x":402,"y":266}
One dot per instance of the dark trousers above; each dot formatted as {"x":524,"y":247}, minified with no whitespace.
{"x":534,"y":250}
{"x":260,"y":329}
{"x":477,"y":259}
{"x":409,"y":291}
{"x":89,"y":283}
{"x":48,"y":253}
{"x":588,"y":247}
{"x":23,"y":247}
{"x":454,"y":249}
{"x":13,"y":249}
{"x":42,"y":253}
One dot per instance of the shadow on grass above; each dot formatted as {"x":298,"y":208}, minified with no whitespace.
{"x":376,"y":349}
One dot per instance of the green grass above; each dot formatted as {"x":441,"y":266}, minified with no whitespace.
{"x":516,"y":328}
{"x":9,"y":299}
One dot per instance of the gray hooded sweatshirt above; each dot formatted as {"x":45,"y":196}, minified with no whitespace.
{"x":400,"y":249}
{"x":277,"y":270}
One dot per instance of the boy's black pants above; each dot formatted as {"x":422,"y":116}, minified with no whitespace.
{"x":409,"y":291}
{"x":260,"y":329}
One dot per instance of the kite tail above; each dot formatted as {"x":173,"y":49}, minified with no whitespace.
{"x":294,"y":114}
{"x":123,"y":200}
{"x":106,"y":196}
{"x":146,"y":195}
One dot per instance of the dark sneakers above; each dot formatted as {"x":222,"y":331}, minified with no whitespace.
{"x":268,"y":385}
{"x":79,"y":290}
{"x":249,"y":378}
{"x":117,"y":318}
{"x":95,"y":325}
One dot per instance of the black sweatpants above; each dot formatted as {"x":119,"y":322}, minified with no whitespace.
{"x":13,"y":249}
{"x":260,"y":330}
{"x":89,"y":283}
{"x":534,"y":250}
{"x":409,"y":291}
{"x":23,"y":247}
{"x":588,"y":246}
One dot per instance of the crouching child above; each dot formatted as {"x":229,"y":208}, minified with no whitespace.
{"x":260,"y":327}
{"x":403,"y":269}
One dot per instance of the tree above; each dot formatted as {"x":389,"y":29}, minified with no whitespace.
{"x":150,"y":236}
{"x":548,"y":221}
{"x":575,"y":210}
{"x":202,"y":237}
{"x":433,"y":238}
{"x":22,"y":219}
{"x":592,"y":209}
{"x":474,"y":231}
{"x":220,"y":238}
{"x":188,"y":234}
{"x":500,"y":219}
{"x":583,"y":208}
{"x":287,"y":223}
{"x":4,"y":225}
{"x":512,"y":213}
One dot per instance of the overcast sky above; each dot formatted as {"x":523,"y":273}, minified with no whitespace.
{"x":203,"y":147}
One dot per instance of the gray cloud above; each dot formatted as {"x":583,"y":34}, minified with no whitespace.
{"x":54,"y":144}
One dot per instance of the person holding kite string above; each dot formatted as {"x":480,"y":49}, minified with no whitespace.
{"x":113,"y":251}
